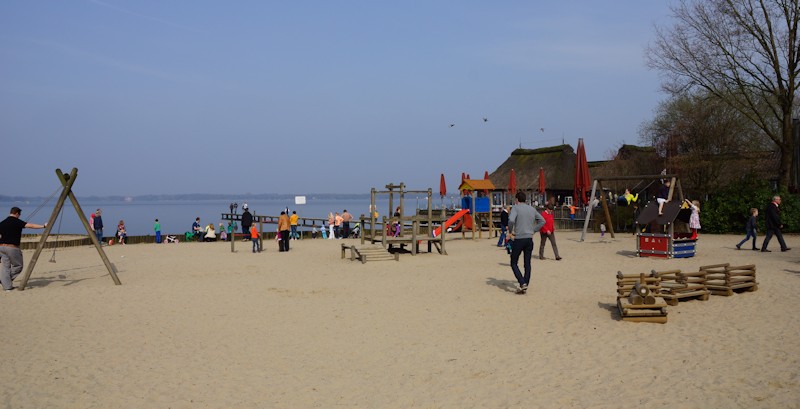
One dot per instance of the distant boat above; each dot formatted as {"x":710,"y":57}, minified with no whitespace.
{"x":128,"y":199}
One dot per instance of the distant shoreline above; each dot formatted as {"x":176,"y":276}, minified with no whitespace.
{"x":198,"y":196}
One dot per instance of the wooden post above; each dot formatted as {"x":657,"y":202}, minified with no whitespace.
{"x":588,"y":212}
{"x":606,"y":213}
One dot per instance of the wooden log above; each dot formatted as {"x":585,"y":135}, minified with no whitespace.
{"x":743,"y":285}
{"x":691,"y":294}
{"x":635,"y":298}
{"x":658,"y":312}
{"x":744,"y":267}
{"x":649,"y":299}
{"x":742,"y":279}
{"x":656,"y":320}
{"x":673,"y":286}
{"x":663,"y":273}
{"x":724,"y":292}
{"x":636,"y":280}
{"x":732,"y":273}
{"x":659,"y":303}
{"x":715,"y":266}
{"x":693,"y":274}
{"x":641,"y":289}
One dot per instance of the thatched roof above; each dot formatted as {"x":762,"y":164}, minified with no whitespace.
{"x":558,"y":163}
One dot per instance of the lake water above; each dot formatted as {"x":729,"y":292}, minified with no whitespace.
{"x":176,"y":217}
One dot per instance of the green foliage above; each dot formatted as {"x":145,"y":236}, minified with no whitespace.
{"x":728,"y":209}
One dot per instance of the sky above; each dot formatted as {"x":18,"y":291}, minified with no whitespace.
{"x":299,"y":97}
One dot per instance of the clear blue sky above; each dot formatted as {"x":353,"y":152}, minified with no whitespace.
{"x":201,"y":96}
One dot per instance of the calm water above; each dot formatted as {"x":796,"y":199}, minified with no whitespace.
{"x":176,"y":217}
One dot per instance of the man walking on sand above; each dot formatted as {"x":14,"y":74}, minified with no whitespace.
{"x":523,"y":221}
{"x":774,"y":225}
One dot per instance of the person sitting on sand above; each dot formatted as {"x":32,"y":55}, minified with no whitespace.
{"x":211,"y":235}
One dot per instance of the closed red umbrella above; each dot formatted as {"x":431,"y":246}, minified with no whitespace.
{"x":442,"y":187}
{"x":582,"y":178}
{"x":512,"y":183}
{"x":485,"y":177}
{"x":463,"y":178}
{"x":542,"y":183}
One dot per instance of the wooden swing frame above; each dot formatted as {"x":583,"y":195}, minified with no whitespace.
{"x":598,"y":183}
{"x":66,"y":182}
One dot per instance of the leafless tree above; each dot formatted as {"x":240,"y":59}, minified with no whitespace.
{"x":744,"y":52}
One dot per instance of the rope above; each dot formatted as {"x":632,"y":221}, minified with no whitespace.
{"x":44,"y":203}
{"x":60,"y":218}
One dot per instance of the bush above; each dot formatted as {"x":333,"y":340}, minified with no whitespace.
{"x":728,"y":209}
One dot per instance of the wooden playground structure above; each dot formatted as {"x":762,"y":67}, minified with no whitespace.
{"x":67,"y":181}
{"x":666,"y":244}
{"x":410,"y":230}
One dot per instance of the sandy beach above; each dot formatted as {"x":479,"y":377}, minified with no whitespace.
{"x":196,"y":326}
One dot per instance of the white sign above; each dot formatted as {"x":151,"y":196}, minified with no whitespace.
{"x":299,"y":200}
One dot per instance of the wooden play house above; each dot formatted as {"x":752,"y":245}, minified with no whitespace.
{"x":655,"y":233}
{"x":480,"y":206}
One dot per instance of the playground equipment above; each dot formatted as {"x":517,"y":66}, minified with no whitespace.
{"x":67,"y":181}
{"x":479,"y":207}
{"x":459,"y":218}
{"x":638,"y":298}
{"x":413,"y":230}
{"x":653,"y":244}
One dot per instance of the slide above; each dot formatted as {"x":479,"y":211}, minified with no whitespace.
{"x":450,"y":221}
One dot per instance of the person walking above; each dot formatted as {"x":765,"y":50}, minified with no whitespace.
{"x":284,"y":228}
{"x":774,"y":225}
{"x":10,"y":253}
{"x":523,"y":221}
{"x":157,"y":228}
{"x":548,"y":231}
{"x":750,"y":229}
{"x":503,"y":226}
{"x":98,"y":226}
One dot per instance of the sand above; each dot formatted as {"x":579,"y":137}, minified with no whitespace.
{"x":196,"y":326}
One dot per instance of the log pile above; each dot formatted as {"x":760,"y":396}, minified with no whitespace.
{"x":677,"y":285}
{"x":638,"y":300}
{"x":724,"y":279}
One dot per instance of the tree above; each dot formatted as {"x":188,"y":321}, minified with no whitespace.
{"x":706,"y":141}
{"x":744,"y":52}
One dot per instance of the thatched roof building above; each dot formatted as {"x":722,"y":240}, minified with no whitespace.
{"x":558,"y":163}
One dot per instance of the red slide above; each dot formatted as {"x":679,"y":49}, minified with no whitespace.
{"x":450,"y":221}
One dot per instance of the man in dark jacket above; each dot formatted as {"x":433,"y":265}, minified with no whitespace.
{"x":247,"y":221}
{"x":774,"y":226}
{"x":501,"y":242}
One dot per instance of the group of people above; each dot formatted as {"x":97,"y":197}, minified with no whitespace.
{"x":339,"y":225}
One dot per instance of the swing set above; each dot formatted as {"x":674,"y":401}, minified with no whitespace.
{"x":67,"y":181}
{"x":598,"y":183}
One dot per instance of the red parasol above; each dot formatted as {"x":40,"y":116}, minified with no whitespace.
{"x":442,"y":187}
{"x":582,"y":178}
{"x":542,"y":183}
{"x":463,"y":178}
{"x":485,"y":177}
{"x":512,"y":183}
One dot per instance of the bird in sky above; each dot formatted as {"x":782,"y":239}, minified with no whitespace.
{"x":485,"y":119}
{"x":541,"y":129}
{"x":452,"y":125}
